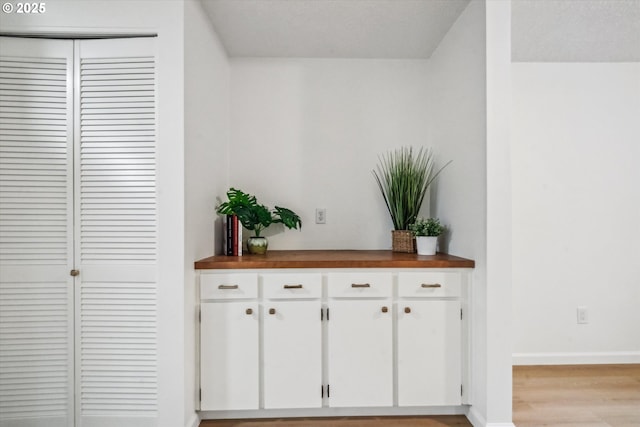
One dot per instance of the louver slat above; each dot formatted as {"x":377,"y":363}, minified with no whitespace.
{"x":117,"y":234}
{"x":117,"y":139}
{"x":36,"y":329}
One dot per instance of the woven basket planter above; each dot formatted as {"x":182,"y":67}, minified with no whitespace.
{"x":403,"y":241}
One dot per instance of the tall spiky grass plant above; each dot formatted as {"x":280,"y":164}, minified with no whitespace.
{"x":403,"y":177}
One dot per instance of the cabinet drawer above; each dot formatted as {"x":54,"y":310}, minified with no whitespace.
{"x":228,"y":286}
{"x":427,"y":284}
{"x":360,"y":285}
{"x":292,"y":286}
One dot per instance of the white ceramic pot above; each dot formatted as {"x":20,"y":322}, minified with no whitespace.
{"x":426,"y":245}
{"x":257,"y":245}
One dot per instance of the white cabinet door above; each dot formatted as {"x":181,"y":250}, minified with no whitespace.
{"x":360,"y":353}
{"x":292,"y":354}
{"x":429,"y":361}
{"x":229,"y":358}
{"x":116,"y":233}
{"x":36,"y":233}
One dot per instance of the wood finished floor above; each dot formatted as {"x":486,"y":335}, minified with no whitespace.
{"x":552,"y":396}
{"x":585,"y":396}
{"x":439,"y":421}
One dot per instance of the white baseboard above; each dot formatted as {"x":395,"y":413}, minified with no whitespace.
{"x":477,"y":420}
{"x":194,"y":421}
{"x":594,"y":358}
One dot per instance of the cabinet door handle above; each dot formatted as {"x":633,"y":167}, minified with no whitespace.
{"x":385,"y":309}
{"x":431,"y":285}
{"x":272,"y":311}
{"x":74,"y":272}
{"x":228,"y":287}
{"x":298,"y":286}
{"x":249,"y":311}
{"x":407,"y":309}
{"x":360,"y":285}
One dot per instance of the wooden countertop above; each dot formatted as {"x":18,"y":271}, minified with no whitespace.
{"x":334,"y":259}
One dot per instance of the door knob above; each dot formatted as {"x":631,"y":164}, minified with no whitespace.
{"x":249,"y":311}
{"x":385,"y":309}
{"x":272,"y":311}
{"x":407,"y":309}
{"x":74,"y":272}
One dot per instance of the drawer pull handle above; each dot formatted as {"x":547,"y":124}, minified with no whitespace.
{"x":228,"y":287}
{"x":407,"y":309}
{"x":360,"y":285}
{"x":272,"y":311}
{"x":385,"y":309}
{"x":249,"y":311}
{"x":293,"y":286}
{"x":431,"y":285}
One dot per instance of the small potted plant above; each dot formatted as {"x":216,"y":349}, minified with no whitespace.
{"x":256,"y":217}
{"x":426,"y":232}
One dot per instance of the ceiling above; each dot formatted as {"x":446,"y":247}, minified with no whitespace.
{"x":542,"y":30}
{"x":576,"y":30}
{"x":333,"y":28}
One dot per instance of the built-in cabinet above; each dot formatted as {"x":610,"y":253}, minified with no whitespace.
{"x":332,"y":338}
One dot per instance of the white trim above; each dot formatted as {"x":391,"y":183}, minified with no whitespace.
{"x":77,"y":32}
{"x":335,"y":412}
{"x":583,"y":358}
{"x":194,"y":421}
{"x":475,"y":418}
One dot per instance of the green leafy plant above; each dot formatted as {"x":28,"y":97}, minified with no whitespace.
{"x":254,"y":216}
{"x":426,"y":227}
{"x":403,"y":177}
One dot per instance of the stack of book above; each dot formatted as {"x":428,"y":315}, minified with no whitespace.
{"x":233,"y":236}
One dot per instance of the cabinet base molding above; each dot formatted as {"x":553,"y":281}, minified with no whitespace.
{"x":335,"y":412}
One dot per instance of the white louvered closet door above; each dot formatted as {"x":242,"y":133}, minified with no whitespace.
{"x":36,"y":233}
{"x":116,"y":233}
{"x":78,"y":132}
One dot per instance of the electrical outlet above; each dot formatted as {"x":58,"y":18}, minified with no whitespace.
{"x":321,"y":216}
{"x":583,"y":315}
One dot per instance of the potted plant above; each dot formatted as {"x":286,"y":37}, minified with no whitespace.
{"x":403,"y":177}
{"x":256,"y":217}
{"x":426,"y":232}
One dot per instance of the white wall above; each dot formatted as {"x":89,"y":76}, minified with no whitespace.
{"x":576,"y":208}
{"x":206,"y":115}
{"x":468,"y":85}
{"x":499,"y":280}
{"x":166,"y":19}
{"x":457,"y":117}
{"x":306,"y":133}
